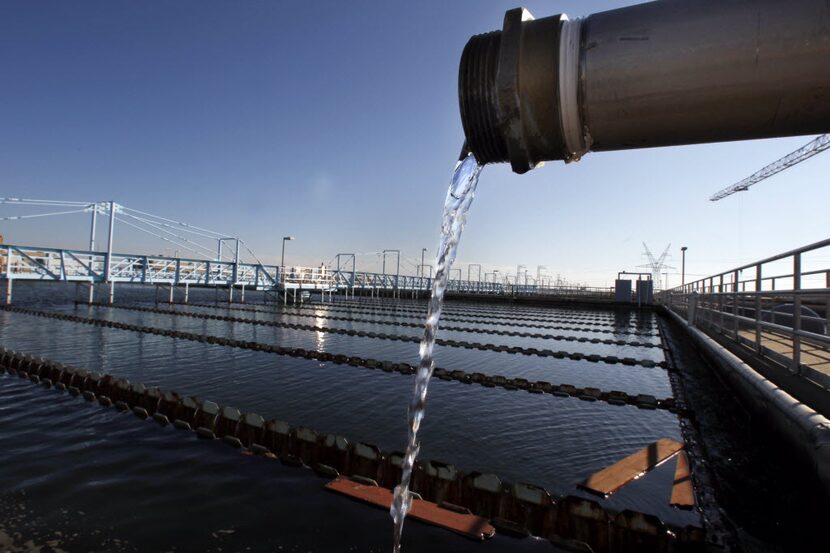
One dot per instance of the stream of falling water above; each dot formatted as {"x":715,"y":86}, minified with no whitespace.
{"x":459,"y":197}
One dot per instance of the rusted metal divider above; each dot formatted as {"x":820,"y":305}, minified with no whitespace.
{"x":457,"y":520}
{"x":682,"y":492}
{"x":614,"y":477}
{"x":508,"y":506}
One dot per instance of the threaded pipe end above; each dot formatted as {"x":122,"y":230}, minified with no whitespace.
{"x":477,"y":98}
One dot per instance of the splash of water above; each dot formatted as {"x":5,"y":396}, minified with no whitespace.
{"x":459,"y":197}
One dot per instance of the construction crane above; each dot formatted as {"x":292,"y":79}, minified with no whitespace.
{"x":656,"y":265}
{"x":807,"y":151}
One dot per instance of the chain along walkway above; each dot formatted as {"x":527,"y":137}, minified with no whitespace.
{"x":576,"y":356}
{"x":493,"y":309}
{"x":287,"y":311}
{"x":496,"y":309}
{"x":613,"y":397}
{"x":515,"y":509}
{"x":555,"y":337}
{"x":394,"y":308}
{"x":420,"y":313}
{"x":317,"y":307}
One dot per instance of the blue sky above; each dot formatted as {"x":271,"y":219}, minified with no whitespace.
{"x":338,"y":122}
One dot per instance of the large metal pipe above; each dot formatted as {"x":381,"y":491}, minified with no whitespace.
{"x":658,"y":74}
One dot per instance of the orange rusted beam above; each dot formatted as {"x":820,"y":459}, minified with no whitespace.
{"x":471,"y":526}
{"x":682,"y":493}
{"x":611,"y":479}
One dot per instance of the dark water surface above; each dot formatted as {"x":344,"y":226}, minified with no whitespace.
{"x":143,"y":480}
{"x":82,"y":478}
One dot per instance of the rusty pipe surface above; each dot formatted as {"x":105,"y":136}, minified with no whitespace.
{"x":663,"y":73}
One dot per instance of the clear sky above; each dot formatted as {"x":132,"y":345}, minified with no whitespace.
{"x":338,"y":122}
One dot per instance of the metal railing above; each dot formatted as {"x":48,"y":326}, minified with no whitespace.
{"x":317,"y":278}
{"x":361,"y":280}
{"x":64,"y":265}
{"x":36,"y":263}
{"x":773,"y":307}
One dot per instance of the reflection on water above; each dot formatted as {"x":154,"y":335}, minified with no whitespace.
{"x":320,"y":342}
{"x":540,"y":439}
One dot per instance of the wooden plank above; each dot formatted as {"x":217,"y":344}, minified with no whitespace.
{"x":682,"y":493}
{"x":614,"y":477}
{"x":468,"y":525}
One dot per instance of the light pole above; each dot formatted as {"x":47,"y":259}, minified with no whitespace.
{"x":683,"y":267}
{"x":282,"y":259}
{"x":423,"y":251}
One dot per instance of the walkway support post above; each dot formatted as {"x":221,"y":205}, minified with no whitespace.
{"x":759,"y":283}
{"x":92,"y":228}
{"x":8,"y":275}
{"x":395,"y":291}
{"x":236,"y":263}
{"x":796,"y":369}
{"x":108,"y":263}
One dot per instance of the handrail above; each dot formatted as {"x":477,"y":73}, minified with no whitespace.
{"x":780,"y":322}
{"x":797,"y":251}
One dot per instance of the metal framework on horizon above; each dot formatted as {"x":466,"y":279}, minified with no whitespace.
{"x":210,"y":266}
{"x":187,"y":237}
{"x":66,"y":265}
